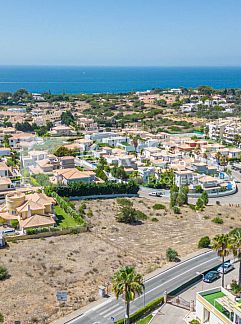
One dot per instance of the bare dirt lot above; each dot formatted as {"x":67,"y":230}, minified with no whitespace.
{"x":80,"y":263}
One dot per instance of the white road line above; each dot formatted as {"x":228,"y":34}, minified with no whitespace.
{"x":113,"y":312}
{"x":109,"y":309}
{"x":181,"y":274}
{"x":154,"y":277}
{"x":178,"y":265}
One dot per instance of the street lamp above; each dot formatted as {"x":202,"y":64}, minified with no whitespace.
{"x":144,"y":295}
{"x":200,"y":274}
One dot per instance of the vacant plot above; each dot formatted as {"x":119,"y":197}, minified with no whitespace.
{"x":80,"y":263}
{"x":163,"y":229}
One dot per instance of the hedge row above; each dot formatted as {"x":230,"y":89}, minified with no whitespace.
{"x":89,"y":189}
{"x":37,"y":230}
{"x":66,"y":206}
{"x":144,"y":311}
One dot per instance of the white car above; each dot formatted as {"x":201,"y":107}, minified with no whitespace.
{"x":156,"y":194}
{"x":226,"y":267}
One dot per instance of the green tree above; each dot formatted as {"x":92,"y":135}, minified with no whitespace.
{"x":235,"y":247}
{"x":67,"y":118}
{"x":127,"y":214}
{"x":220,"y":243}
{"x":182,"y":198}
{"x":173,"y":196}
{"x":199,"y":204}
{"x":135,"y":141}
{"x":204,"y":197}
{"x":6,"y":140}
{"x":63,"y":151}
{"x":129,"y":283}
{"x":119,"y":172}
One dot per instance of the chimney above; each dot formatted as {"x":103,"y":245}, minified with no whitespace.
{"x":29,"y":211}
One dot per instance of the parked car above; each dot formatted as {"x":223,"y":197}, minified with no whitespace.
{"x":8,"y":231}
{"x":156,"y":194}
{"x":211,"y":276}
{"x":226,"y":267}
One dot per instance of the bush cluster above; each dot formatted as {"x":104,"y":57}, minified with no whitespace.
{"x":204,"y":242}
{"x":159,"y":206}
{"x":3,"y":273}
{"x":217,"y":220}
{"x":171,"y":255}
{"x":37,"y":230}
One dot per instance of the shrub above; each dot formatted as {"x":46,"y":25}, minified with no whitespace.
{"x":1,"y":318}
{"x":159,"y":206}
{"x":217,"y":220}
{"x":194,"y":321}
{"x":204,"y":242}
{"x":154,"y":219}
{"x":235,"y":287}
{"x":171,"y":255}
{"x":3,"y":273}
{"x":37,"y":230}
{"x":176,"y":210}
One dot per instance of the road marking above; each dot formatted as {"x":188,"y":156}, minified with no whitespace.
{"x":149,"y":279}
{"x":109,"y":309}
{"x":173,"y":278}
{"x":180,"y":264}
{"x":113,"y":312}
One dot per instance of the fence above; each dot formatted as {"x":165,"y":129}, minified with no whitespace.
{"x":74,"y":230}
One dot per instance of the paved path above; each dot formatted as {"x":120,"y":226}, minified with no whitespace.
{"x":168,"y":280}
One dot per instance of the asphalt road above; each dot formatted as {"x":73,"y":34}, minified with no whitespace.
{"x":167,"y":280}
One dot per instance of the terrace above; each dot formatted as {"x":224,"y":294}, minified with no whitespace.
{"x":220,"y":303}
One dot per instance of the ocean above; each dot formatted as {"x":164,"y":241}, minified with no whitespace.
{"x":80,"y":79}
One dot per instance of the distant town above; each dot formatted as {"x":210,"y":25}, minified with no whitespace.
{"x":91,"y":183}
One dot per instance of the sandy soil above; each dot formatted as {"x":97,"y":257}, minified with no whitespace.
{"x":80,"y":263}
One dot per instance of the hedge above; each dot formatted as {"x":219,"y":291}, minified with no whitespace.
{"x":144,"y":311}
{"x":89,"y":189}
{"x":67,"y":207}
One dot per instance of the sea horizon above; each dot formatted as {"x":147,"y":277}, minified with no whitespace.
{"x":75,"y":79}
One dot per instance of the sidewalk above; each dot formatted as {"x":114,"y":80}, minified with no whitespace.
{"x":169,"y":314}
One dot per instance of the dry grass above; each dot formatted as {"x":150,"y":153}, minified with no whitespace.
{"x":80,"y":263}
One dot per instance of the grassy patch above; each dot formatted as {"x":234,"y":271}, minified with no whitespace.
{"x":213,"y":296}
{"x":63,"y":219}
{"x":145,"y":320}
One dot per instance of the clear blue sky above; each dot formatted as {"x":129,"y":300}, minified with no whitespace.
{"x":120,"y":32}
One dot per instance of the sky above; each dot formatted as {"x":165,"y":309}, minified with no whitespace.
{"x":120,"y":32}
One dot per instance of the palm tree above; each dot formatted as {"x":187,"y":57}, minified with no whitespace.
{"x":220,"y":243}
{"x":128,"y":283}
{"x":218,"y":156}
{"x":235,"y":247}
{"x":135,"y":141}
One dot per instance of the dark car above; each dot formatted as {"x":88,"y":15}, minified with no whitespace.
{"x":211,"y":276}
